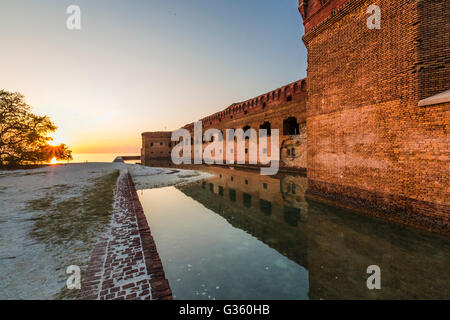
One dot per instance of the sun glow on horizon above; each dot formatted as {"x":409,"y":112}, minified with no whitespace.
{"x":53,"y":161}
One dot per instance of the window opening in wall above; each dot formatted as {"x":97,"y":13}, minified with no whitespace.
{"x":266,"y":125}
{"x":291,"y":126}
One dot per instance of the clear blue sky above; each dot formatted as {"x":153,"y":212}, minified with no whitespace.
{"x":143,"y":65}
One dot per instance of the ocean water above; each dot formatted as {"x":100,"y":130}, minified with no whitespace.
{"x":99,"y":157}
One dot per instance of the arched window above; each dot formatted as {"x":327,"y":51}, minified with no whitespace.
{"x":266,"y":125}
{"x":303,"y":85}
{"x":291,"y":126}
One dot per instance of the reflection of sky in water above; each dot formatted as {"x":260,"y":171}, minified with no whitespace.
{"x":204,"y":257}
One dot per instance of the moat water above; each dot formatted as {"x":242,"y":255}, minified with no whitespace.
{"x":240,"y":235}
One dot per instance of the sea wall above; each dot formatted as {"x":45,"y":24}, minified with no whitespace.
{"x":125,"y":264}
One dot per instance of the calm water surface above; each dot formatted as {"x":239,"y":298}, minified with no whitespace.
{"x":240,"y":235}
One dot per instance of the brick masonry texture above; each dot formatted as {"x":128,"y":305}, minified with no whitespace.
{"x":369,"y":143}
{"x":125,"y":264}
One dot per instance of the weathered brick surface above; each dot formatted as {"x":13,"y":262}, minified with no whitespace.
{"x":125,"y":264}
{"x":369,"y":143}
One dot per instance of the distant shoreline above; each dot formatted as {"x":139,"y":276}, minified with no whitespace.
{"x":97,"y":157}
{"x":77,"y":158}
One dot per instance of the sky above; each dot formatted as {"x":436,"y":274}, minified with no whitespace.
{"x":144,"y":65}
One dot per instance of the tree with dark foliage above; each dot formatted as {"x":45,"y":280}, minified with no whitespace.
{"x":23,"y":135}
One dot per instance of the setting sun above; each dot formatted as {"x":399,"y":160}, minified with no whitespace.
{"x":53,"y":161}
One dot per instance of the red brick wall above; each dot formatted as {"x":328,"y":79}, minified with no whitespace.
{"x":368,"y":142}
{"x":316,"y":11}
{"x":156,"y":146}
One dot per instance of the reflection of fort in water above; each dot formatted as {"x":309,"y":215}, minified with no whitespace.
{"x":334,"y":245}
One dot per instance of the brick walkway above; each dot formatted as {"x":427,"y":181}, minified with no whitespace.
{"x":125,"y":263}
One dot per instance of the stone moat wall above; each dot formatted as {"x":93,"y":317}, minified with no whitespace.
{"x":125,"y":263}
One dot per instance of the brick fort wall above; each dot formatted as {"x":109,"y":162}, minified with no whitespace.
{"x":369,"y":143}
{"x":283,"y":109}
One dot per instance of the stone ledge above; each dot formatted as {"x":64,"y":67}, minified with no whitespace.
{"x":125,"y":264}
{"x":442,"y":97}
{"x":160,"y":287}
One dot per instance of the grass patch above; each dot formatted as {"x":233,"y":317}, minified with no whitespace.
{"x":70,"y":227}
{"x":77,"y":218}
{"x":41,"y":204}
{"x":58,"y":188}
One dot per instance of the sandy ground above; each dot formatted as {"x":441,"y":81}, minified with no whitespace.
{"x":37,"y":239}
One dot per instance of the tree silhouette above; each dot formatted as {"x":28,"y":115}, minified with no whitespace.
{"x":23,"y":135}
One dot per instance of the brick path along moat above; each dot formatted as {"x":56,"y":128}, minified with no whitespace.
{"x":125,"y":263}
